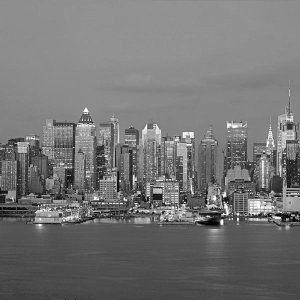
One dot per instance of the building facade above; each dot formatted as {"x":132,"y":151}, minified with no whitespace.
{"x":207,"y":156}
{"x":85,"y":142}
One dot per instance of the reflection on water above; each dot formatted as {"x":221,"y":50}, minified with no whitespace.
{"x":99,"y":260}
{"x":134,"y":220}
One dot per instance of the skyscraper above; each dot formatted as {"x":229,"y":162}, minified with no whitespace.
{"x":168,"y":152}
{"x":23,"y":159}
{"x":287,"y":130}
{"x":151,"y":142}
{"x":9,"y":179}
{"x":115,"y":137}
{"x":64,"y":149}
{"x":236,"y":150}
{"x":104,"y":139}
{"x":85,"y":142}
{"x":189,"y":139}
{"x":132,"y":140}
{"x":181,"y":165}
{"x":207,"y":155}
{"x":48,"y":140}
{"x":270,"y":147}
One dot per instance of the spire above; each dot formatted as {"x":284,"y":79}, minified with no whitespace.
{"x":86,"y":117}
{"x":210,"y":133}
{"x":289,"y":108}
{"x":270,"y":144}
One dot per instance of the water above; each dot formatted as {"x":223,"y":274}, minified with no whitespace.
{"x":140,"y":260}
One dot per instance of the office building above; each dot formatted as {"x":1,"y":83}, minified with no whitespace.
{"x":189,"y":139}
{"x":23,"y":159}
{"x":9,"y":178}
{"x":151,"y":143}
{"x":207,"y":156}
{"x":105,"y":140}
{"x":236,"y":149}
{"x":108,"y":188}
{"x":131,"y":139}
{"x":287,"y":130}
{"x":168,"y":153}
{"x":85,"y":142}
{"x":181,"y":165}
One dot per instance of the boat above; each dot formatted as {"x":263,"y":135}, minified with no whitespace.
{"x":285,"y":219}
{"x":48,"y":216}
{"x":209,"y":217}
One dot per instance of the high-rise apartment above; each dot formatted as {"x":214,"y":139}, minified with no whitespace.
{"x":23,"y":159}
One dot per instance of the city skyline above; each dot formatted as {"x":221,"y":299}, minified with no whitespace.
{"x":57,"y":58}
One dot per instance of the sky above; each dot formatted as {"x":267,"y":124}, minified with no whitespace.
{"x":181,"y":64}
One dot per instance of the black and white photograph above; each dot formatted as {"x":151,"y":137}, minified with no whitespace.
{"x":149,"y":149}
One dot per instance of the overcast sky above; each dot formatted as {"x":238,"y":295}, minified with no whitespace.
{"x":182,"y":64}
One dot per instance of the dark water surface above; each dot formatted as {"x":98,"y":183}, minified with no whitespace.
{"x":141,"y":260}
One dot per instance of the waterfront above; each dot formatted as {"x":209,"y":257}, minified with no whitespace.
{"x":136,"y":259}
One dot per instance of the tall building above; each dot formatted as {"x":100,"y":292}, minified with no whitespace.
{"x":271,"y":148}
{"x":151,"y":142}
{"x":236,"y":150}
{"x":9,"y":178}
{"x":258,"y":150}
{"x":108,"y":189}
{"x":41,"y":162}
{"x":207,"y":155}
{"x":34,"y":143}
{"x":85,"y":141}
{"x":64,"y":149}
{"x":104,"y":139}
{"x":48,"y":140}
{"x":168,"y":153}
{"x":189,"y":139}
{"x":287,"y":130}
{"x":291,"y":160}
{"x":181,"y":165}
{"x":124,"y":164}
{"x":80,"y":171}
{"x":132,"y":140}
{"x":115,"y":137}
{"x":23,"y":159}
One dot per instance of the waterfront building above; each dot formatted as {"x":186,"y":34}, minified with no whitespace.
{"x":258,"y":206}
{"x":240,"y":203}
{"x":151,"y":142}
{"x":131,"y":139}
{"x":291,"y":199}
{"x":85,"y":142}
{"x":9,"y":177}
{"x":207,"y":156}
{"x":108,"y":188}
{"x":163,"y":191}
{"x":287,"y":129}
{"x":23,"y":159}
{"x":236,"y":149}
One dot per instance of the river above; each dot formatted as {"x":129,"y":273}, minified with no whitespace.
{"x":137,"y":260}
